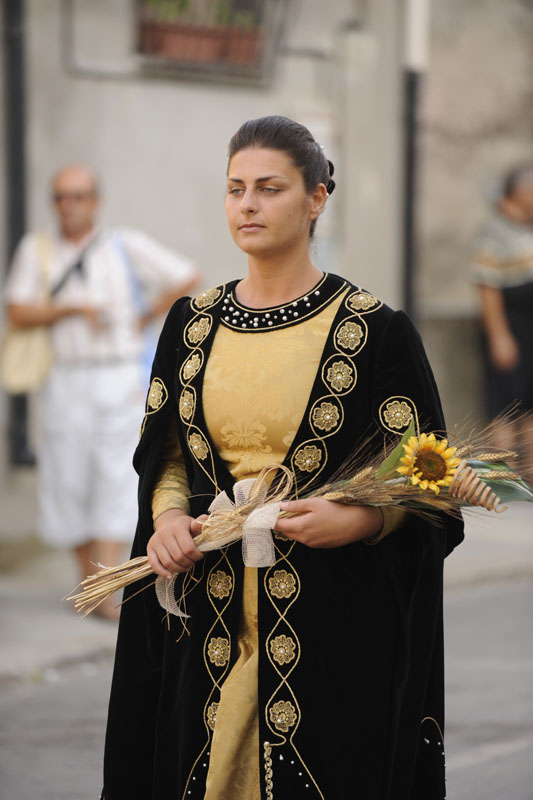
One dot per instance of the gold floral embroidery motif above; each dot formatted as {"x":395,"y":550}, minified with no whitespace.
{"x":349,"y":335}
{"x":187,"y":404}
{"x":340,"y":376}
{"x":212,"y":715}
{"x":206,"y":299}
{"x":398,"y":414}
{"x":198,"y":330}
{"x":308,"y":458}
{"x":283,"y":715}
{"x":361,"y":301}
{"x":198,"y":446}
{"x":218,"y":651}
{"x":191,"y":366}
{"x":282,"y":649}
{"x":326,"y":416}
{"x":220,"y":584}
{"x":157,"y":394}
{"x":282,"y":584}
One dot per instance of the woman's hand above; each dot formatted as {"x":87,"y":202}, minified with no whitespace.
{"x":323,"y":523}
{"x":171,"y":549}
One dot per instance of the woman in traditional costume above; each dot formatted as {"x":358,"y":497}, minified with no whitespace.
{"x":320,"y":676}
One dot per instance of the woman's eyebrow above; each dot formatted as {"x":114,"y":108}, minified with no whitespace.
{"x":258,"y":180}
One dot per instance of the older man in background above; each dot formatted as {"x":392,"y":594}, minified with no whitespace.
{"x":101,"y":289}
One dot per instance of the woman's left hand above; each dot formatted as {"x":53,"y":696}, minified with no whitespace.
{"x":323,"y":523}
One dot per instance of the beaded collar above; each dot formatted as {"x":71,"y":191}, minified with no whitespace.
{"x":258,"y":320}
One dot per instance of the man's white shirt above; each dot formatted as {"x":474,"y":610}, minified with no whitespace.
{"x":116,"y":265}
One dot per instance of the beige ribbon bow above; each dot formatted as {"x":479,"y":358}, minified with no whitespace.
{"x":256,"y":528}
{"x":250,"y":517}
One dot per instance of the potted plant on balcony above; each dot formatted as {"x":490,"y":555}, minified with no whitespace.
{"x":199,"y":32}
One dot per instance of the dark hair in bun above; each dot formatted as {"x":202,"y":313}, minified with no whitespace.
{"x":281,"y":133}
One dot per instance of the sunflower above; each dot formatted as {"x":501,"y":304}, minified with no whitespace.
{"x":428,"y":462}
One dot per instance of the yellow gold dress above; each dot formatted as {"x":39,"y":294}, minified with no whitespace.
{"x":251,"y":426}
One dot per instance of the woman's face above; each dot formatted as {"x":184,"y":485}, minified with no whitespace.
{"x":268,"y":208}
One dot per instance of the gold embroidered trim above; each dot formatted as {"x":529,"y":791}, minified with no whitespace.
{"x":362,"y":301}
{"x":269,"y":785}
{"x":195,"y":333}
{"x":220,"y":584}
{"x":218,"y":678}
{"x":216,"y":648}
{"x":396,"y":413}
{"x":282,"y":648}
{"x":192,"y":366}
{"x":198,"y":446}
{"x":340,"y":376}
{"x":282,"y":584}
{"x":207,"y":298}
{"x":197,"y":330}
{"x":143,"y":426}
{"x":282,"y":610}
{"x":249,"y":320}
{"x":325,"y":416}
{"x":218,"y":651}
{"x":349,"y":335}
{"x":156,"y":399}
{"x":187,"y":404}
{"x":308,"y":458}
{"x":439,"y":729}
{"x":212,"y":715}
{"x":157,"y":396}
{"x":283,"y":715}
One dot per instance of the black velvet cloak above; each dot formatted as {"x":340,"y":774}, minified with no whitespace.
{"x":358,"y":712}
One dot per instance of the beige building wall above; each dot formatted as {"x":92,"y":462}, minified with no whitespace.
{"x":477,"y":120}
{"x":160,"y":144}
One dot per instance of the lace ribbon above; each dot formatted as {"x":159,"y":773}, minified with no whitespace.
{"x":250,"y":518}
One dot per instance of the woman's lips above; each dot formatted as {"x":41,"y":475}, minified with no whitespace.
{"x":251,"y":227}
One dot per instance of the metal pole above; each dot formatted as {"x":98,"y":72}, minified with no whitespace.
{"x":416,"y":57}
{"x":411,"y":86}
{"x":13,"y":18}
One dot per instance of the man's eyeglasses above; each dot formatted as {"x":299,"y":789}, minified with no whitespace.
{"x":74,"y":197}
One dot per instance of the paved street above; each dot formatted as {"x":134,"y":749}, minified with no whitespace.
{"x":52,"y":724}
{"x":489,"y":659}
{"x":55,"y":669}
{"x":52,"y":733}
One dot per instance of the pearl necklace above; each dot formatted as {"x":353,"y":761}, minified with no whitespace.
{"x":250,"y":320}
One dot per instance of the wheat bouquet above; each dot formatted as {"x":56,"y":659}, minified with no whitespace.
{"x":424,"y":474}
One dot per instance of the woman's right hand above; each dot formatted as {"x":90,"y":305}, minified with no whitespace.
{"x":171,"y":549}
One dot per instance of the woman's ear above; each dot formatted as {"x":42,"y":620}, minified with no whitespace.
{"x":318,"y":200}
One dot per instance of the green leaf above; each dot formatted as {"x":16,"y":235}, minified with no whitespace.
{"x":479,"y":466}
{"x":511,"y":490}
{"x":392,"y":461}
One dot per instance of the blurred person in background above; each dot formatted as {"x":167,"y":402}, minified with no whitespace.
{"x":503,"y":272}
{"x":102,"y":288}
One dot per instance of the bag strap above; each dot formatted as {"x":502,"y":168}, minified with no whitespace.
{"x":76,"y":266}
{"x":43,"y":244}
